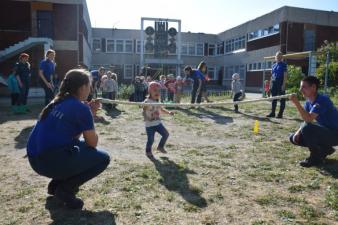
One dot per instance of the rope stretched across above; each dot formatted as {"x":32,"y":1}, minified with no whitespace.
{"x":209,"y":104}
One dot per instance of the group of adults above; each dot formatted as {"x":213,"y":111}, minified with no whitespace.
{"x":22,"y":72}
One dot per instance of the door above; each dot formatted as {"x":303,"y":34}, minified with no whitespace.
{"x":45,"y":24}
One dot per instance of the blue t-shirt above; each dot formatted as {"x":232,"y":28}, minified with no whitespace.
{"x":278,"y":70}
{"x":327,"y":112}
{"x":95,"y":75}
{"x":197,"y":75}
{"x":23,"y":71}
{"x":60,"y":128}
{"x":48,"y":68}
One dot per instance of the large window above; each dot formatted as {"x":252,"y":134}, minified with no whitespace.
{"x":264,"y":32}
{"x":128,"y":72}
{"x":96,"y":45}
{"x":230,"y":70}
{"x":128,"y":46}
{"x":234,"y":44}
{"x":212,"y":49}
{"x":212,"y":72}
{"x":220,"y":48}
{"x":184,"y":49}
{"x":110,"y":46}
{"x":119,"y":46}
{"x":200,"y":49}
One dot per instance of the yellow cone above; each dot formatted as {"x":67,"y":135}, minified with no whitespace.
{"x":256,"y":127}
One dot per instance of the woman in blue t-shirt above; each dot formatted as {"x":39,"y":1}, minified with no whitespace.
{"x":319,"y":137}
{"x":54,"y":149}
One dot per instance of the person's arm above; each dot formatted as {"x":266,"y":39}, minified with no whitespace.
{"x":48,"y":84}
{"x":91,"y":138}
{"x":306,"y":116}
{"x":285,"y":79}
{"x":199,"y":85}
{"x":19,"y":80}
{"x":163,"y":110}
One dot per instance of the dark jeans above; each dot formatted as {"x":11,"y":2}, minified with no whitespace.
{"x":139,"y":96}
{"x":317,"y":138}
{"x":236,"y":98}
{"x":194,"y":93}
{"x":49,"y":93}
{"x":24,"y":94}
{"x":170,"y":96}
{"x":151,"y":136}
{"x":15,"y":99}
{"x":276,"y":90}
{"x":109,"y":95}
{"x":70,"y":166}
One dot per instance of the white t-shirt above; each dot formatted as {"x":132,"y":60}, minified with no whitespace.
{"x":151,"y":114}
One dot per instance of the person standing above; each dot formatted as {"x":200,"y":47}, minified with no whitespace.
{"x":319,"y":137}
{"x":237,"y":89}
{"x":22,"y":73}
{"x":278,"y":84}
{"x":197,"y":78}
{"x":14,"y":89}
{"x":96,"y":78}
{"x":46,"y":73}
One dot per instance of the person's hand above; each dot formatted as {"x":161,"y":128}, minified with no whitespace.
{"x":49,"y":85}
{"x":296,"y":137}
{"x":94,"y":105}
{"x":20,"y":84}
{"x":293,"y":98}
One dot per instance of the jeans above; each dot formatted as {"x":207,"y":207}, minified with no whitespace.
{"x":317,"y":138}
{"x":24,"y":93}
{"x":170,"y":96}
{"x":70,"y":166}
{"x":15,"y":99}
{"x":194,"y":93}
{"x":163,"y":94}
{"x":49,"y":93}
{"x":151,"y":135}
{"x":235,"y":99}
{"x":139,"y":96}
{"x":276,"y":89}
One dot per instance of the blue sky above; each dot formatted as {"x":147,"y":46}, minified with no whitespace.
{"x":208,"y":16}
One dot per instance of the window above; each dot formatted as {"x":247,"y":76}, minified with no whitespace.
{"x":119,"y":46}
{"x":191,"y":49}
{"x":269,"y":64}
{"x":264,"y":32}
{"x":96,"y":45}
{"x":200,"y":49}
{"x":138,"y":46}
{"x":128,"y":46}
{"x":184,"y":50}
{"x":212,"y":48}
{"x":128,"y":72}
{"x":220,"y":48}
{"x":254,"y":66}
{"x":212,"y":72}
{"x":259,"y":66}
{"x":110,"y":46}
{"x":234,"y":44}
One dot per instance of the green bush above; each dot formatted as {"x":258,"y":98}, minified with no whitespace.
{"x":125,"y":91}
{"x":295,"y":75}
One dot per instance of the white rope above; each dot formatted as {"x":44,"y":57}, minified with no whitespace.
{"x":209,"y":104}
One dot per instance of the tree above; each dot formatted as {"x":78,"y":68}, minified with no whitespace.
{"x":332,"y":48}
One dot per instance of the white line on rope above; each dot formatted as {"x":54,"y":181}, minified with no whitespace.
{"x":210,"y":104}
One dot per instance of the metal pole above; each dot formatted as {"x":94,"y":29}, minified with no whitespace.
{"x":326,"y":70}
{"x":264,"y":67}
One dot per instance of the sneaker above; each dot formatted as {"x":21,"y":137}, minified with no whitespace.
{"x":309,"y":162}
{"x":161,"y":150}
{"x":271,"y":115}
{"x":150,"y":155}
{"x":68,"y":198}
{"x":279,"y":116}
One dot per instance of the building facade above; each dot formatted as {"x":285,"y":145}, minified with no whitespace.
{"x":240,"y":49}
{"x":35,"y":26}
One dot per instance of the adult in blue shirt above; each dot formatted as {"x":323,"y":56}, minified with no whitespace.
{"x":278,"y":82}
{"x":54,"y":149}
{"x":22,"y":72}
{"x":197,"y":78}
{"x":96,"y":78}
{"x":46,"y":73}
{"x":319,"y":137}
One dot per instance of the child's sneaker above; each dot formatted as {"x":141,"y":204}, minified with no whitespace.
{"x":150,"y":155}
{"x":160,"y":149}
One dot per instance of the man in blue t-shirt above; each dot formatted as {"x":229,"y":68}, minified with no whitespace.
{"x":319,"y":137}
{"x":197,"y":78}
{"x":46,"y":73}
{"x":96,"y":77}
{"x":278,"y":82}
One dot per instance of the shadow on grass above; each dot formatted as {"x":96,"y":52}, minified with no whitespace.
{"x":22,"y":138}
{"x":174,"y":178}
{"x":330,"y":168}
{"x":207,"y":114}
{"x":260,"y":118}
{"x":61,"y":215}
{"x":7,"y":115}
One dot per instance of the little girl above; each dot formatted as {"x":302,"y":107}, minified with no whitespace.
{"x":152,"y":119}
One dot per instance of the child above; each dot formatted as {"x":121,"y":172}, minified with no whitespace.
{"x":163,"y":88}
{"x":170,"y":84}
{"x":266,"y":88}
{"x":179,"y":89}
{"x":107,"y":85}
{"x":236,"y":88}
{"x":152,"y":119}
{"x":13,"y":86}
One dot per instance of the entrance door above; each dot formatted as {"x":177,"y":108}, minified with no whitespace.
{"x":45,"y":24}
